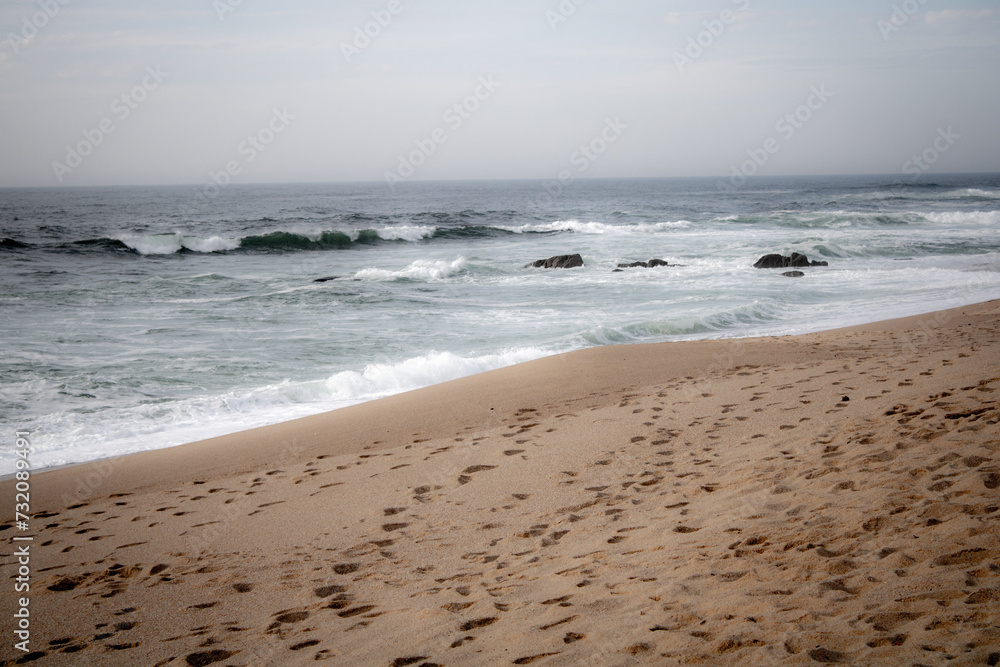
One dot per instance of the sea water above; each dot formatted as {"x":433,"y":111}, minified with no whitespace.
{"x":139,"y":318}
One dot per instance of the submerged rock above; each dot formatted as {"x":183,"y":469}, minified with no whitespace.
{"x":646,"y":265}
{"x":793,"y":274}
{"x":557,"y":262}
{"x":774,"y":261}
{"x":327,"y":279}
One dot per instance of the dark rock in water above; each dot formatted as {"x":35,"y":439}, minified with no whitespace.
{"x":645,"y":265}
{"x":793,"y":274}
{"x":774,"y":261}
{"x":327,"y":279}
{"x":617,"y":271}
{"x":557,"y":262}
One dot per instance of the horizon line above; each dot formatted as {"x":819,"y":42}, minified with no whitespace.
{"x":501,"y":180}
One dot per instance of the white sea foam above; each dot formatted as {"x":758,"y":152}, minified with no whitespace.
{"x":432,"y":368}
{"x":168,"y":244}
{"x":598,"y":227}
{"x":422,"y":269}
{"x":411,"y":233}
{"x":160,"y":244}
{"x":983,"y":218}
{"x":401,"y":232}
{"x":977,"y":192}
{"x":212,"y":244}
{"x":65,"y":438}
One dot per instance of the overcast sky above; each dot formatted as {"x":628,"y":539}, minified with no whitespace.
{"x":171,"y":92}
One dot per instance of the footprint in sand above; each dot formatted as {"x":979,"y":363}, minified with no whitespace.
{"x":208,"y":657}
{"x":478,"y":623}
{"x":527,"y":660}
{"x":390,"y":527}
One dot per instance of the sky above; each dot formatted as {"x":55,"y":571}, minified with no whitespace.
{"x":130,"y":92}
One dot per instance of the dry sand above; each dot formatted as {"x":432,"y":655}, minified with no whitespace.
{"x":831,"y":497}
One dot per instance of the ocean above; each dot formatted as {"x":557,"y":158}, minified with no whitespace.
{"x":145,"y":317}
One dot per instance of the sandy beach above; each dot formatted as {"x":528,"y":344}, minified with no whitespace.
{"x":822,"y":498}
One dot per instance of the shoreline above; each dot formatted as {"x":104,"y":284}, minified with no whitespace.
{"x":828,"y":497}
{"x":405,"y":400}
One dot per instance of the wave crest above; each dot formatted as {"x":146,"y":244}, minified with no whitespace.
{"x":984,"y":218}
{"x":378,"y":380}
{"x":422,"y":269}
{"x":597,"y":227}
{"x":276,"y":241}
